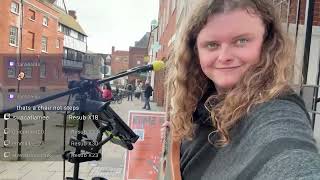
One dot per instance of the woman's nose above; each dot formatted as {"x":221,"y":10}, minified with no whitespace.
{"x":224,"y":54}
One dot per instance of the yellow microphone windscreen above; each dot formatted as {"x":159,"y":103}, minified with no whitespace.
{"x":158,"y":65}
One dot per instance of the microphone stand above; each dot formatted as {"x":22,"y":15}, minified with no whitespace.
{"x":81,"y":88}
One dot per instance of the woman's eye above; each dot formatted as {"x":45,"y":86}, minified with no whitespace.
{"x":241,"y":41}
{"x":212,"y":45}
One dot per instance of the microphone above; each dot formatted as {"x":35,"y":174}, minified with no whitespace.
{"x":155,"y":66}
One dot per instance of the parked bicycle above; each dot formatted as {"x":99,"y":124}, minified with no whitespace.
{"x":117,"y":98}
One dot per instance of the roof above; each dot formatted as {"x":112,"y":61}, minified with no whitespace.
{"x":69,"y":21}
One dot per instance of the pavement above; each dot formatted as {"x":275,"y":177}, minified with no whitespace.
{"x":111,"y":165}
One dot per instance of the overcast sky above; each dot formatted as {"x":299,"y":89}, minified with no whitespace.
{"x":116,"y":23}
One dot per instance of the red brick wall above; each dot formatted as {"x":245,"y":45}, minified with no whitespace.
{"x":169,"y":30}
{"x":119,"y":61}
{"x":136,"y":54}
{"x":316,"y":11}
{"x":53,"y":58}
{"x":293,"y":12}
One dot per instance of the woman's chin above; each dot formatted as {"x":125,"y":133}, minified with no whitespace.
{"x":225,"y":85}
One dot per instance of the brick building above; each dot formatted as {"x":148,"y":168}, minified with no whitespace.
{"x":119,"y":63}
{"x":30,"y":42}
{"x":166,"y":36}
{"x":136,"y":58}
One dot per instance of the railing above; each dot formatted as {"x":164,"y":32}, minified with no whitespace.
{"x":72,"y":64}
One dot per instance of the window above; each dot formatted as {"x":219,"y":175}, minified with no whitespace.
{"x":125,"y":59}
{"x":138,"y":62}
{"x":31,"y":37}
{"x":32,"y":15}
{"x":60,"y":28}
{"x":80,"y":56}
{"x":43,"y":70}
{"x":80,"y":37}
{"x":73,"y":34}
{"x":66,"y":30}
{"x":65,"y":53}
{"x":71,"y":55}
{"x":45,"y":21}
{"x":12,"y":72}
{"x":58,"y":43}
{"x":44,"y":44}
{"x":28,"y":71}
{"x":15,"y":7}
{"x":13,"y":36}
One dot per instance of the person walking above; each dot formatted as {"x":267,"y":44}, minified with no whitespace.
{"x":138,"y":91}
{"x":147,"y":94}
{"x":130,"y":91}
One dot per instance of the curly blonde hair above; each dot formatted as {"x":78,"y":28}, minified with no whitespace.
{"x":269,"y":78}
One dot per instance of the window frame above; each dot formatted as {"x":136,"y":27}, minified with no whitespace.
{"x":45,"y":21}
{"x":81,"y":37}
{"x":33,"y":15}
{"x":58,"y":43}
{"x":13,"y":72}
{"x":26,"y":72}
{"x":44,"y":48}
{"x":33,"y":39}
{"x":43,"y":70}
{"x":14,"y":37}
{"x":17,"y":10}
{"x":66,"y":30}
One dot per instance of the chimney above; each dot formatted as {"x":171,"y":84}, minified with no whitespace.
{"x":112,"y":49}
{"x":73,"y":14}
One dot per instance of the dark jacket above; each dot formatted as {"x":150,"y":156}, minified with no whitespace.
{"x":148,"y":91}
{"x":275,"y":141}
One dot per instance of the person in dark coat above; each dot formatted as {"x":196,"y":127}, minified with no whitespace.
{"x":147,"y":94}
{"x":130,"y":90}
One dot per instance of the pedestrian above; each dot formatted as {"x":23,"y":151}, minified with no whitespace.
{"x":233,"y":113}
{"x":147,"y":94}
{"x":138,"y":90}
{"x":117,"y":90}
{"x":107,"y":92}
{"x":130,"y":91}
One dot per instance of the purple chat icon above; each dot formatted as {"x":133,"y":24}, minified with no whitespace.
{"x":11,"y":63}
{"x":11,"y":96}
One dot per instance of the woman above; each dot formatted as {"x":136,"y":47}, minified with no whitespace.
{"x":233,"y":113}
{"x":107,"y":92}
{"x":138,"y":91}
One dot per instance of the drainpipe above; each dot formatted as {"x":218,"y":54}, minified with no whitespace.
{"x":20,"y":43}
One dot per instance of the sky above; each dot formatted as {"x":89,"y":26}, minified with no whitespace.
{"x":116,"y":23}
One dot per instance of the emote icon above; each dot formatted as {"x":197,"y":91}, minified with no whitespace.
{"x":21,"y":76}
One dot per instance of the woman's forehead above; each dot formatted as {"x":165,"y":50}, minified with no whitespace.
{"x":233,"y":23}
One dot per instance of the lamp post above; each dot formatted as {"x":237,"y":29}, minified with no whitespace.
{"x":20,"y":44}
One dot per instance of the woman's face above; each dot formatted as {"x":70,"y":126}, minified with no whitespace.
{"x":228,"y":45}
